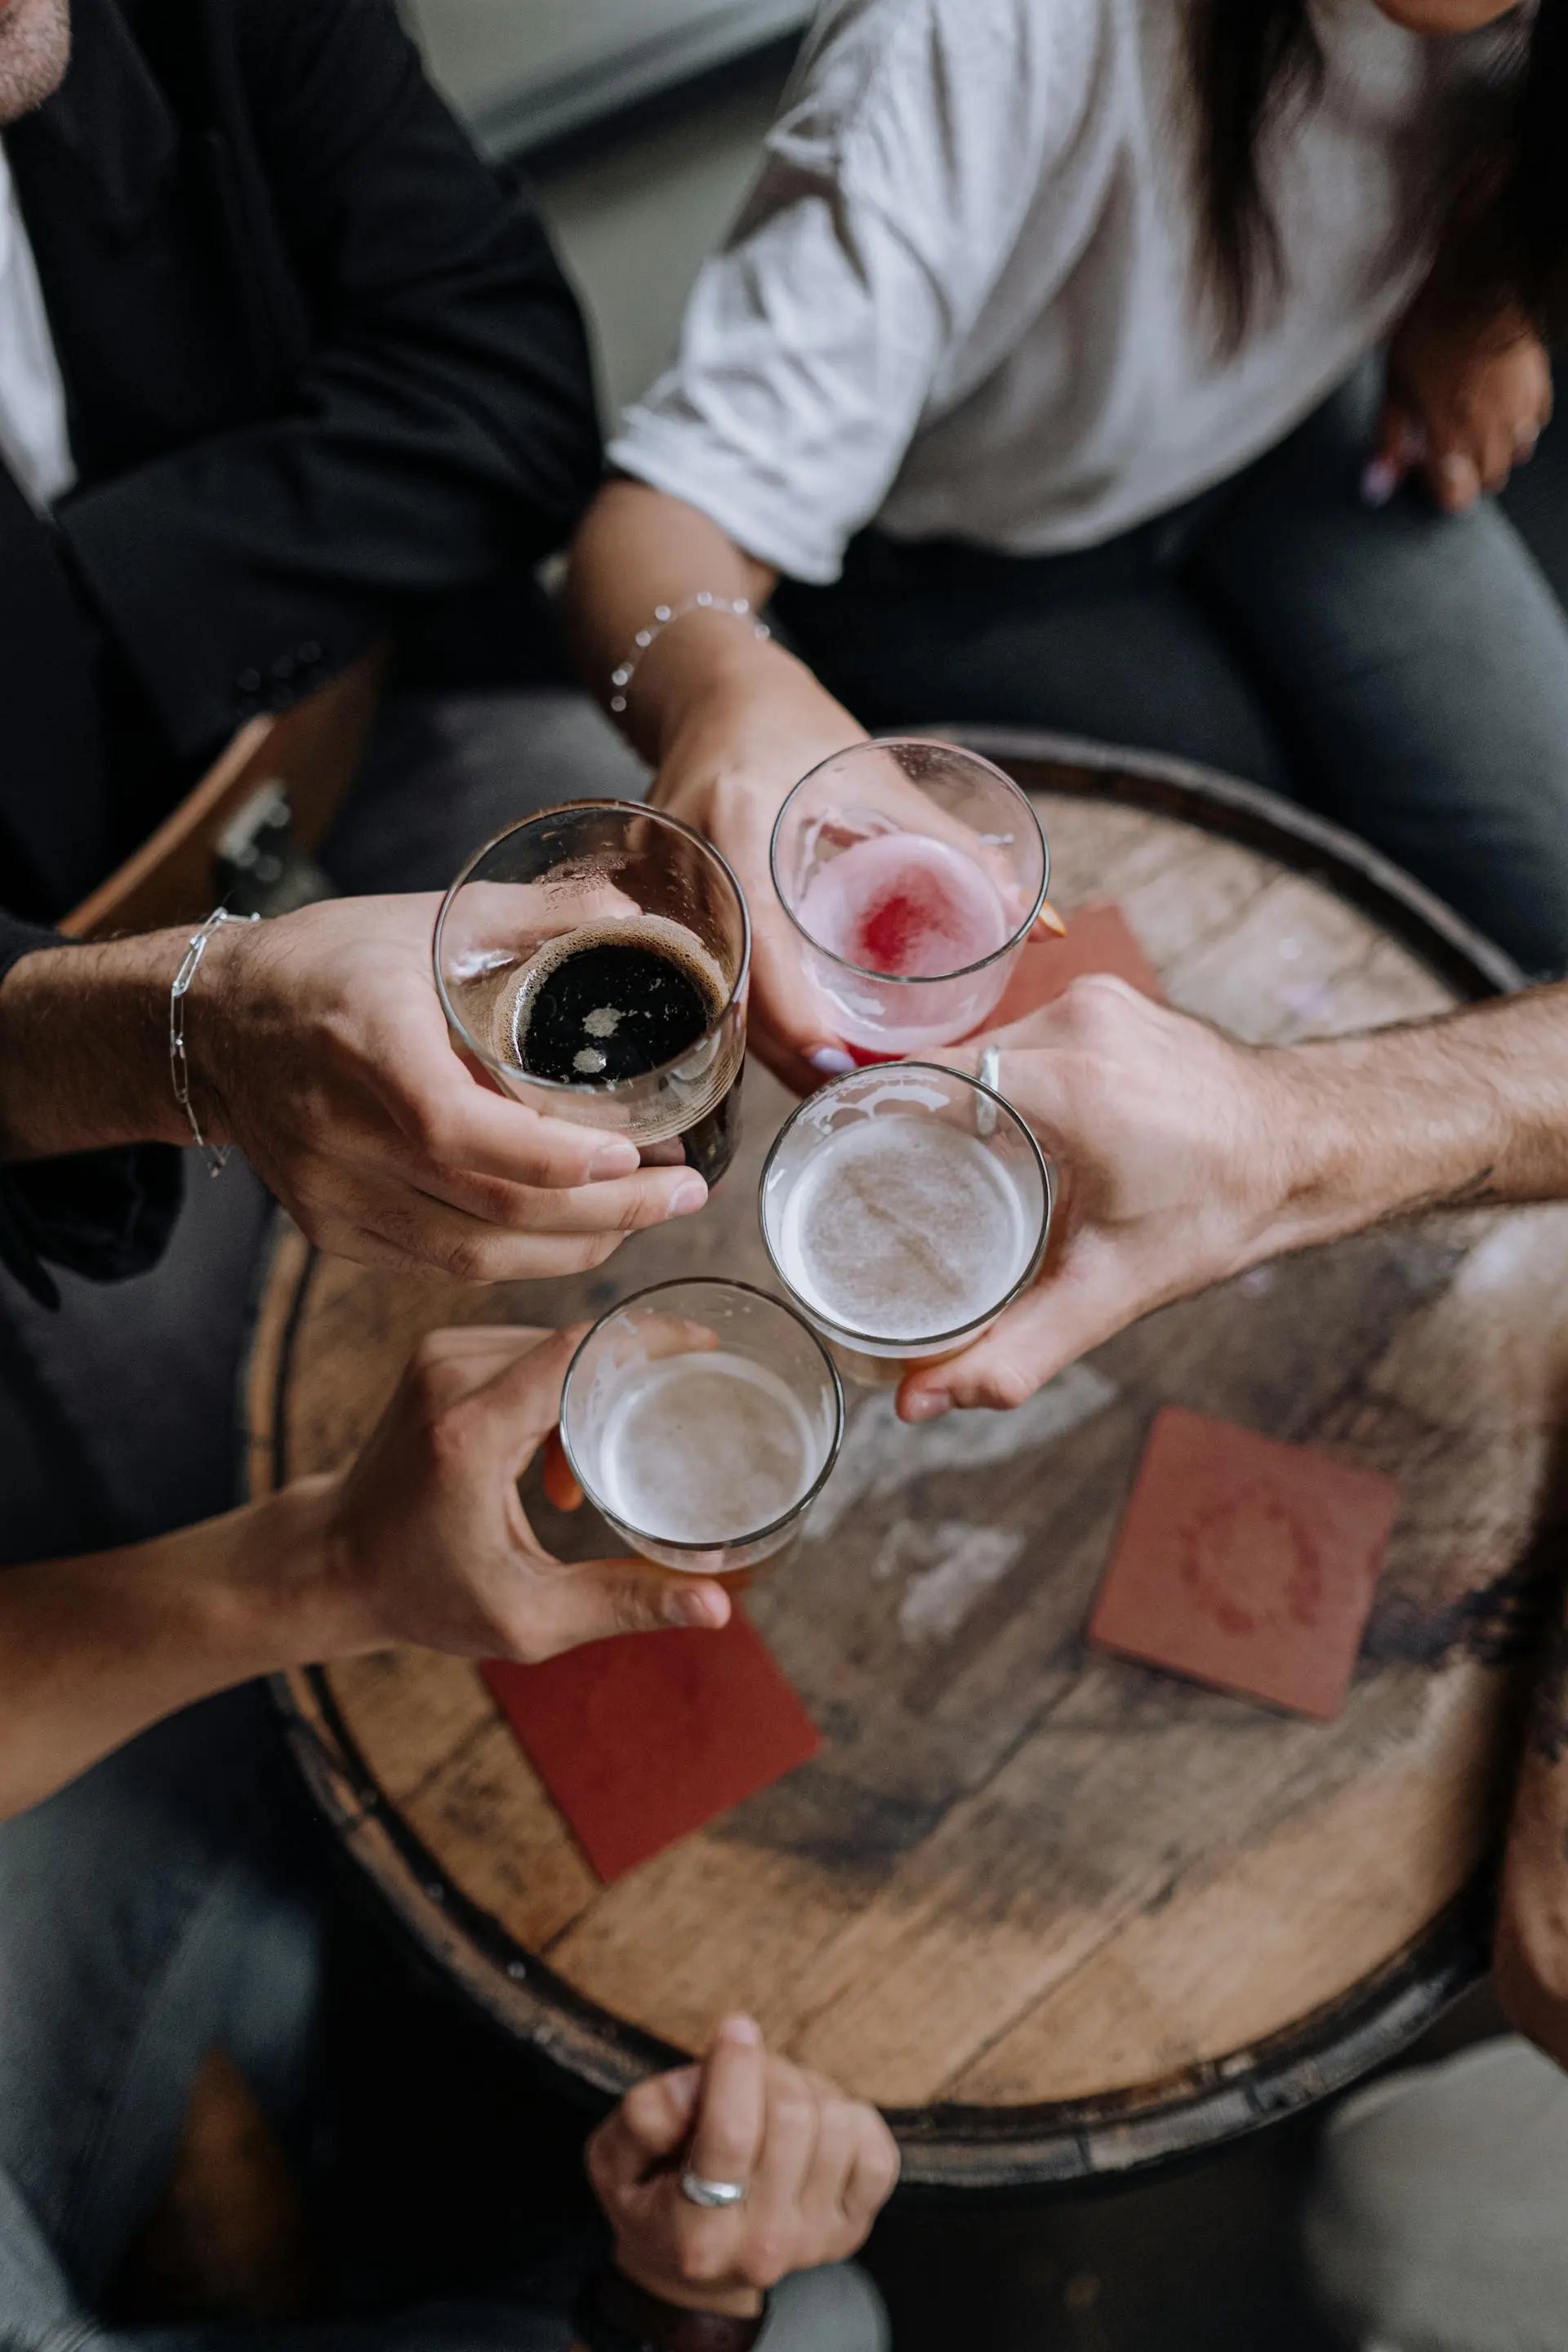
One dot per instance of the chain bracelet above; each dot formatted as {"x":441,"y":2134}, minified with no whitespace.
{"x":179,"y":1067}
{"x":665,"y":616}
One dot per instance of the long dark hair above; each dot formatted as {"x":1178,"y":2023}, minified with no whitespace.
{"x":1255,"y":63}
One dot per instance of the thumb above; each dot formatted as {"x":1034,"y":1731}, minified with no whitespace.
{"x":1061,"y":1319}
{"x":605,"y":1597}
{"x":795,"y":1029}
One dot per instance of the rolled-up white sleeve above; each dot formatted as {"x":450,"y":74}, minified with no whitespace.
{"x":892,"y":189}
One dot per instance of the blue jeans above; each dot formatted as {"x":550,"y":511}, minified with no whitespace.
{"x":1403,"y":671}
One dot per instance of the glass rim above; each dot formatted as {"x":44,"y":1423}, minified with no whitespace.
{"x":773,"y":1526}
{"x":913,"y":979}
{"x":867,"y":1343}
{"x":611,"y":1087}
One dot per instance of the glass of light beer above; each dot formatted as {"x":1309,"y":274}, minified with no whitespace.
{"x":703,"y":1419}
{"x":904,"y":1208}
{"x":913,"y":871}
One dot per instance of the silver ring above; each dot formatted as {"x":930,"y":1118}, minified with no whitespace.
{"x":989,"y":1074}
{"x":713,"y":2194}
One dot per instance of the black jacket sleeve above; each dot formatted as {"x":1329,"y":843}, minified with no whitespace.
{"x":441,"y":424}
{"x":105,"y":1215}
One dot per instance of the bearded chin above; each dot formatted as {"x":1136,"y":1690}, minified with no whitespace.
{"x":34,"y":50}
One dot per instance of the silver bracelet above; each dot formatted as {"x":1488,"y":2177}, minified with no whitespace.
{"x":665,"y":616}
{"x":179,"y":1067}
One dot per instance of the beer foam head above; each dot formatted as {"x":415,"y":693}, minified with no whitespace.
{"x":706,"y":1448}
{"x":903,"y":1228}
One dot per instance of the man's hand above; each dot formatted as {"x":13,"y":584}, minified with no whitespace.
{"x":817,"y":2167}
{"x":1172,"y":1144}
{"x":428,"y":1538}
{"x":1468,"y":399}
{"x":317,"y":1044}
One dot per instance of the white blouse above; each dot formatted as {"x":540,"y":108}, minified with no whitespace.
{"x":963,"y":297}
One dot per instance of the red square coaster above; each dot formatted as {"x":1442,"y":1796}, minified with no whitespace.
{"x":643,"y":1738}
{"x":1246,"y":1563}
{"x":1098,"y":939}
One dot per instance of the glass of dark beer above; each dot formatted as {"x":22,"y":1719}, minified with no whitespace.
{"x":594,"y":961}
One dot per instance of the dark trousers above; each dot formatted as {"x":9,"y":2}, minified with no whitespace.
{"x":1401,"y":671}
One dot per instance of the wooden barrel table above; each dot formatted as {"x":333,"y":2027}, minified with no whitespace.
{"x":1060,"y":1914}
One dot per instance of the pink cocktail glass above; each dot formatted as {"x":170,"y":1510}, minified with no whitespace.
{"x":913,"y":871}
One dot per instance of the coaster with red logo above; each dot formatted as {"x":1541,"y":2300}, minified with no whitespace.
{"x":1246,"y":1563}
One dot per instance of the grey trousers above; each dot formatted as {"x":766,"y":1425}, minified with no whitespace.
{"x":161,"y":1904}
{"x":1439,"y":2217}
{"x":1403,"y":671}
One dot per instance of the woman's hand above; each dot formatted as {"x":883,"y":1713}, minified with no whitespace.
{"x":729,"y":770}
{"x":1468,"y":399}
{"x":816,"y":2167}
{"x":728,"y":721}
{"x":429,"y":1541}
{"x":319,"y":1046}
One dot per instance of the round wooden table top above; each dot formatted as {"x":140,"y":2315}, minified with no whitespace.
{"x":1061,"y":1913}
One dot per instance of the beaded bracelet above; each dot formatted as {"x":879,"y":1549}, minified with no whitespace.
{"x":665,"y":616}
{"x":179,"y":1067}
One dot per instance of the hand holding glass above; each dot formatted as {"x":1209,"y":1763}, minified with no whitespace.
{"x":594,"y":961}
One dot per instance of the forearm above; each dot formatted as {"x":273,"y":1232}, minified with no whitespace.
{"x":708,"y":688}
{"x":84,"y":1047}
{"x":1467,"y":1110}
{"x":96,"y":1649}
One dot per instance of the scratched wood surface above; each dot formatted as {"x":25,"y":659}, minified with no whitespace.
{"x":1061,"y":1914}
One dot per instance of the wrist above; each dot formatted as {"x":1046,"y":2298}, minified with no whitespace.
{"x":728,"y":2303}
{"x":288,"y":1601}
{"x":84,"y":1047}
{"x":1366,"y":1128}
{"x":618,"y":2313}
{"x":752,"y":739}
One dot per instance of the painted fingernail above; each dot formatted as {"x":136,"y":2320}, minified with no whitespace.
{"x":742,"y":2029}
{"x":689,"y":1195}
{"x":831,"y":1061}
{"x":929,"y":1404}
{"x":1378,"y":483}
{"x":614,"y":1160}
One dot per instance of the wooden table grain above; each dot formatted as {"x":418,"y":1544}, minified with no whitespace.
{"x":1060,"y":1915}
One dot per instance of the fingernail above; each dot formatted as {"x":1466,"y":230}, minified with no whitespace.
{"x":689,"y":1195}
{"x":614,"y":1160}
{"x":928,"y":1404}
{"x":742,"y":2029}
{"x":698,"y":1609}
{"x":1378,"y":483}
{"x":831,"y":1061}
